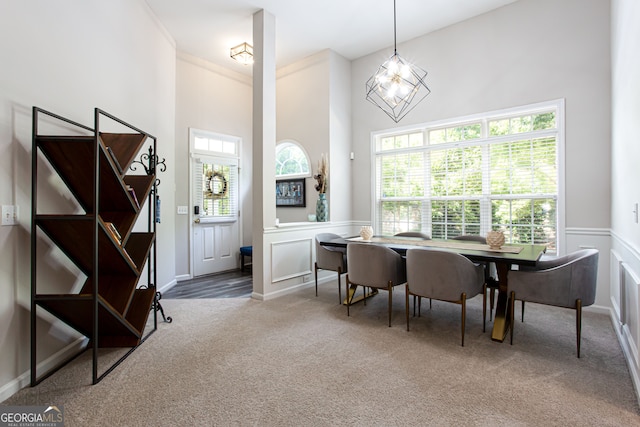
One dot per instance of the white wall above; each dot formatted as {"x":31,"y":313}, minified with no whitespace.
{"x":625,"y":243}
{"x":70,"y":57}
{"x":214,"y":99}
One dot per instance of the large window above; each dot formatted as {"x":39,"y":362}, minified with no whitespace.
{"x":497,"y":171}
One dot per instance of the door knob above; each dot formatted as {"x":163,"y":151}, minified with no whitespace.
{"x":197,"y":221}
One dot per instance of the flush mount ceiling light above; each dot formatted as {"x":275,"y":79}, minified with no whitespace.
{"x":243,"y":53}
{"x":398,"y":86}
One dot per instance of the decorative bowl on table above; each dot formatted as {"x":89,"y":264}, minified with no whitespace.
{"x":366,"y":232}
{"x":495,"y":239}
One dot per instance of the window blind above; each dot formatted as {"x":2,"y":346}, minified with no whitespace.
{"x":216,"y":187}
{"x":471,"y":177}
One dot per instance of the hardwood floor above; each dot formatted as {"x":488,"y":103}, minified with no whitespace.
{"x":231,"y":284}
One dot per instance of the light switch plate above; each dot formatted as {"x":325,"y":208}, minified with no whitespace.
{"x":9,"y":215}
{"x":182,"y":210}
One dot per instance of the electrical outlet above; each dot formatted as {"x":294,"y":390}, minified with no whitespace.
{"x":9,"y":215}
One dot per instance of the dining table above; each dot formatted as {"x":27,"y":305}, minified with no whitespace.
{"x":504,"y":258}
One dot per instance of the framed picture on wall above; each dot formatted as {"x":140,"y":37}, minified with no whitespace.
{"x":290,"y":193}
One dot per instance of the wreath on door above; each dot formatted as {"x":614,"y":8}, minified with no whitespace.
{"x":217,"y":185}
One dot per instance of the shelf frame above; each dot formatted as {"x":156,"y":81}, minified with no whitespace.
{"x":123,"y":325}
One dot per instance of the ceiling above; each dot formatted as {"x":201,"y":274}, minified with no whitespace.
{"x":353,"y":28}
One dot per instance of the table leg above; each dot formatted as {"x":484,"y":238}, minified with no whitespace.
{"x":502,"y":315}
{"x":351,"y":298}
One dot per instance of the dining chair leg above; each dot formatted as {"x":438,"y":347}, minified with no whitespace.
{"x":390,"y":290}
{"x":414,"y":305}
{"x":578,"y":324}
{"x":339,"y":285}
{"x":484,"y":308}
{"x":347,"y":300}
{"x":511,"y":308}
{"x":522,"y":310}
{"x":406,"y":303}
{"x":463,"y":298}
{"x":316,"y":270}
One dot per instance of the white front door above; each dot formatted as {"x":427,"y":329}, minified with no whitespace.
{"x":216,"y":230}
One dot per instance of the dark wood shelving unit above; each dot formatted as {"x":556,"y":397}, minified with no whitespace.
{"x":111,"y":308}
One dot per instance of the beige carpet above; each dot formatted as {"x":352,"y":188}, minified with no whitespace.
{"x":300,"y":361}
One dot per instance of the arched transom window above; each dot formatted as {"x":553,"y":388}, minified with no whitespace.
{"x":291,"y":160}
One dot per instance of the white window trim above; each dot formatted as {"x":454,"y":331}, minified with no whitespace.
{"x":559,"y":104}
{"x":220,"y":157}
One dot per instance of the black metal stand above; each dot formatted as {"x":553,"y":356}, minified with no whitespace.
{"x":167,"y":319}
{"x":150,"y":162}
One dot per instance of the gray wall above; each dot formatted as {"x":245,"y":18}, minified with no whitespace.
{"x":302,"y":105}
{"x":523,"y":53}
{"x":314,"y":109}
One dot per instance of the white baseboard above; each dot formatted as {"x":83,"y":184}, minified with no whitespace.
{"x":599,"y":309}
{"x":276,"y":294}
{"x":183,"y":277}
{"x":167,"y":286}
{"x":51,"y":362}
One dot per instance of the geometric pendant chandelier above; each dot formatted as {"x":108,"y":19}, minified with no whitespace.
{"x":397,"y":87}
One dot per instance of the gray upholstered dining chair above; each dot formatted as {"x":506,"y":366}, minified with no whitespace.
{"x":489,"y":268}
{"x":374,"y":266}
{"x":445,"y":276}
{"x":568,"y":281}
{"x":424,"y":236}
{"x":329,"y":258}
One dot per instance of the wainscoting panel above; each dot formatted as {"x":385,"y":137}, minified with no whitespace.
{"x":291,"y":259}
{"x":616,"y":286}
{"x":631,"y":310}
{"x":625,"y":298}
